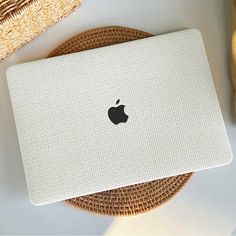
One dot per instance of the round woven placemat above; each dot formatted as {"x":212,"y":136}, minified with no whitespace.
{"x":136,"y":198}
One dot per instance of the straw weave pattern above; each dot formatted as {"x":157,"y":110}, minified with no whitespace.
{"x":8,"y":7}
{"x":22,"y":21}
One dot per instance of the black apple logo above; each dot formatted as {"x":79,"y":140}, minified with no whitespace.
{"x":117,"y":114}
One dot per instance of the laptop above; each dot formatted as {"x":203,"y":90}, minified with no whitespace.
{"x":117,"y":116}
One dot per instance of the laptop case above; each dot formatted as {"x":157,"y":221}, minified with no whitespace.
{"x":116,"y":116}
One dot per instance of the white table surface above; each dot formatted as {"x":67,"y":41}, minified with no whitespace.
{"x":207,"y":205}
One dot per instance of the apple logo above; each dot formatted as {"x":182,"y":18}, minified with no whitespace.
{"x":117,"y":114}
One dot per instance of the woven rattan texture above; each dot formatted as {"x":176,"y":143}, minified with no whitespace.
{"x":8,"y":7}
{"x":23,"y":20}
{"x":133,"y":199}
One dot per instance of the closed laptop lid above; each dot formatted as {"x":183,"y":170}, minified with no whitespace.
{"x":116,"y":116}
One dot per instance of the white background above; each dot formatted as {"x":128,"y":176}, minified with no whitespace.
{"x":207,"y":205}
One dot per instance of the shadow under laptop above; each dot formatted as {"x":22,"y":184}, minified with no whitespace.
{"x":234,"y":232}
{"x":12,"y":172}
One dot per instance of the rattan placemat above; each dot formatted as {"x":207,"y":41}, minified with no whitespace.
{"x":133,"y":199}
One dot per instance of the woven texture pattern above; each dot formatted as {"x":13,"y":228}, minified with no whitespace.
{"x":21,"y":21}
{"x":8,"y":7}
{"x":133,"y":199}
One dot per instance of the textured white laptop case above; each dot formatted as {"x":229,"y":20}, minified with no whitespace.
{"x":69,"y":145}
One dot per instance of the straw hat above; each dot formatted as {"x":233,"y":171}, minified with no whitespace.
{"x":133,"y":199}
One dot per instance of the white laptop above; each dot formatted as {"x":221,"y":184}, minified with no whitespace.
{"x":116,"y":116}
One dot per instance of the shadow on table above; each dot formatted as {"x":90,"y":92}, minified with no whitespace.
{"x":234,"y":232}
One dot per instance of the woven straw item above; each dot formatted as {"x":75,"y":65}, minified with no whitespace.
{"x":22,"y":20}
{"x":133,"y":199}
{"x":233,"y":54}
{"x":8,"y":7}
